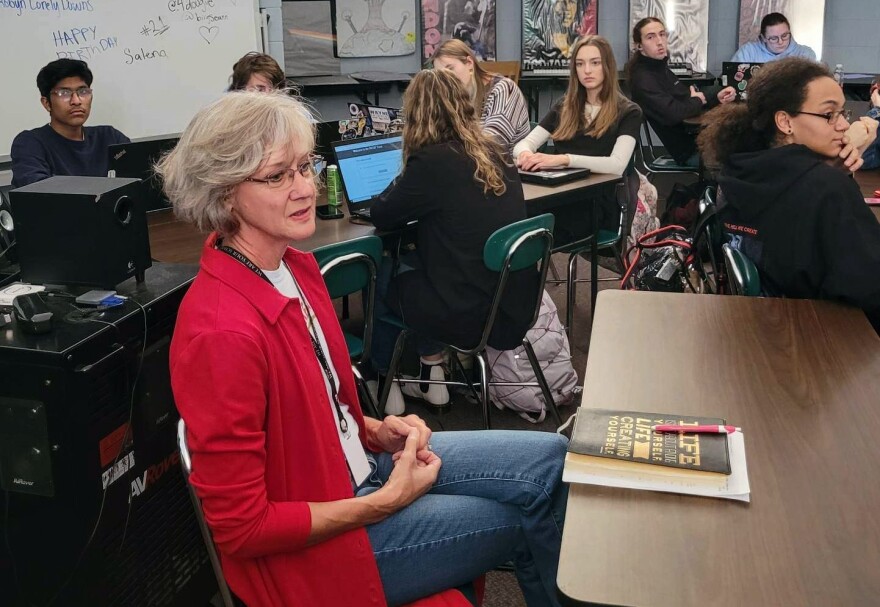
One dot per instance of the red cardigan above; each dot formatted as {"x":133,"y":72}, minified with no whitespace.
{"x":263,"y":437}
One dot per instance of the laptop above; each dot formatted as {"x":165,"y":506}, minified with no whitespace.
{"x":553,"y":176}
{"x":738,"y":75}
{"x":136,"y":159}
{"x":366,"y":167}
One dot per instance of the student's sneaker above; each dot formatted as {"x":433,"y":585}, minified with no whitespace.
{"x":395,"y":404}
{"x":435,"y":394}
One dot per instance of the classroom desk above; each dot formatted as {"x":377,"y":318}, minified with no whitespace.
{"x":802,"y":378}
{"x":341,"y":84}
{"x":172,"y":240}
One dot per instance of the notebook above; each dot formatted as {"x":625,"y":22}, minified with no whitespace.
{"x":366,"y":167}
{"x":553,"y":176}
{"x":738,"y":75}
{"x":136,"y":159}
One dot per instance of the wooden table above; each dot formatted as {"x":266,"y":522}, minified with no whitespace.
{"x":802,"y":378}
{"x":174,"y":241}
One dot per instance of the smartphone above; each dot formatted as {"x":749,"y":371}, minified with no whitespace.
{"x":326,"y":211}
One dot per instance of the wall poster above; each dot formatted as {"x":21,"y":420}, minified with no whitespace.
{"x":687,"y":22}
{"x":471,"y":21}
{"x":375,"y":28}
{"x":308,"y":38}
{"x":550,"y":28}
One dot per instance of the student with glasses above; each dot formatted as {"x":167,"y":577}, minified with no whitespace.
{"x":775,"y":42}
{"x":310,"y":502}
{"x":257,"y":72}
{"x":64,"y":146}
{"x":788,"y":200}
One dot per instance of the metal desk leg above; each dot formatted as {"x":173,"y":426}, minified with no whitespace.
{"x":594,"y":260}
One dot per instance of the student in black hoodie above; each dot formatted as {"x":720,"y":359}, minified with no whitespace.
{"x":788,"y":198}
{"x":664,"y":99}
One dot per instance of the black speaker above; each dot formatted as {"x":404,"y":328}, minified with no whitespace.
{"x":89,"y":231}
{"x":7,"y":231}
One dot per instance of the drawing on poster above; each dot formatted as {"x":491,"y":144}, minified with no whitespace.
{"x":375,"y":28}
{"x":308,"y":39}
{"x":471,"y":21}
{"x":550,"y":28}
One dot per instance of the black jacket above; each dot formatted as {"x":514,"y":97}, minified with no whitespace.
{"x":805,"y":225}
{"x":666,"y":102}
{"x":448,"y":298}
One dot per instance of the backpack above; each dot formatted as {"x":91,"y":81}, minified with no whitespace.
{"x":660,"y":261}
{"x":682,"y":206}
{"x":645,"y":215}
{"x":552,"y":350}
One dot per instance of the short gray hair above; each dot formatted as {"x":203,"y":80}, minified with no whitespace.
{"x":225,"y":143}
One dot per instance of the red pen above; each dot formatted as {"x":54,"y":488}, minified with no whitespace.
{"x":700,"y":429}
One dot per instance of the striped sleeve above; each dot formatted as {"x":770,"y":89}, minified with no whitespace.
{"x":505,"y":115}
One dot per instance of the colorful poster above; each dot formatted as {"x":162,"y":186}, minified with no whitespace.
{"x":375,"y":28}
{"x":308,"y":38}
{"x":471,"y":21}
{"x":687,"y":22}
{"x":550,"y":28}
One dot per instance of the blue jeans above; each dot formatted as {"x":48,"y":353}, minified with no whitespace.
{"x":385,"y":334}
{"x":871,"y":156}
{"x":499,"y":497}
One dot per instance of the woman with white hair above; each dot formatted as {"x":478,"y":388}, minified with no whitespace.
{"x":310,"y":502}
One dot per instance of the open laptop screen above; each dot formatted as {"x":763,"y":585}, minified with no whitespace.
{"x":367,"y":166}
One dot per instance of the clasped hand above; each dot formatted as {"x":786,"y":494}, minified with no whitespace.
{"x":535,"y":161}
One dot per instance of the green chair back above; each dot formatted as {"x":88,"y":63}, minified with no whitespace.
{"x":346,"y":265}
{"x":529,"y":252}
{"x":742,"y":272}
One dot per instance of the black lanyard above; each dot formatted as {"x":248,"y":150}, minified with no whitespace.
{"x":316,"y":344}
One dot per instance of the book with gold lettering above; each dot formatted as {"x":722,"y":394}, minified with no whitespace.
{"x":619,"y":449}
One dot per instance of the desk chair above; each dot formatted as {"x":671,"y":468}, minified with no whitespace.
{"x":652,"y":164}
{"x":707,"y":240}
{"x":515,"y":247}
{"x":613,"y":242}
{"x":229,"y":599}
{"x":349,"y":267}
{"x":508,"y":69}
{"x":744,"y":278}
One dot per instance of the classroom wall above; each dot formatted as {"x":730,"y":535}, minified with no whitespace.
{"x":852,"y":37}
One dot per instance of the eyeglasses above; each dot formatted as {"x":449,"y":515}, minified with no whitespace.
{"x":82,"y":92}
{"x":284,"y":177}
{"x":777,"y":39}
{"x":258,"y":88}
{"x":832,"y":117}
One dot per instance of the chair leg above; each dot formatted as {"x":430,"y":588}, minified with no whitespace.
{"x":542,"y":381}
{"x":454,"y":357}
{"x":570,"y":292}
{"x":483,"y":362}
{"x":392,"y":370}
{"x":553,"y":269}
{"x":367,"y":400}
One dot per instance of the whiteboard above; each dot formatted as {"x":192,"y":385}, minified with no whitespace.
{"x":155,"y":62}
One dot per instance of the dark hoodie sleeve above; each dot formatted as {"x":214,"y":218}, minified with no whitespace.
{"x":850,"y":241}
{"x":659,"y":103}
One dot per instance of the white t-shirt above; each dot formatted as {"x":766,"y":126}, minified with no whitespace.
{"x":284,"y":281}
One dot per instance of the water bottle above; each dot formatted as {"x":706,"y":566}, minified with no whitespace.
{"x":334,"y":187}
{"x":838,"y":74}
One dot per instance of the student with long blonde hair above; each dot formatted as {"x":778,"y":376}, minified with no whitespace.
{"x":593,"y":126}
{"x":500,"y":105}
{"x":457,"y":185}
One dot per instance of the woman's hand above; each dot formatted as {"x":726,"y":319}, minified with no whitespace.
{"x":391,"y":435}
{"x":849,"y":157}
{"x":535,"y":161}
{"x":875,"y":97}
{"x":415,"y":471}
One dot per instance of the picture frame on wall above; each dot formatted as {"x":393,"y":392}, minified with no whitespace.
{"x":471,"y":21}
{"x":308,"y":38}
{"x":374,"y":28}
{"x":550,"y":28}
